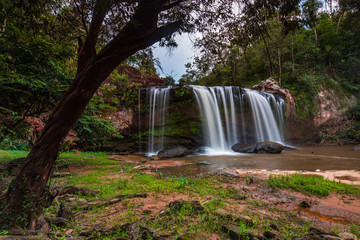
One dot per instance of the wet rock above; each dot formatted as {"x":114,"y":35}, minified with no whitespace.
{"x":304,"y":204}
{"x":357,"y":148}
{"x":154,"y":157}
{"x":178,"y":151}
{"x":262,"y":147}
{"x":272,"y":86}
{"x":269,"y":235}
{"x":347,"y":236}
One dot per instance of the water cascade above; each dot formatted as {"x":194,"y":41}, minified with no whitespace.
{"x":266,"y":127}
{"x":159,"y":99}
{"x":229,"y":115}
{"x":222,"y":110}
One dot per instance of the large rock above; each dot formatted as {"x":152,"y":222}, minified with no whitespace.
{"x":347,"y":236}
{"x":332,"y":108}
{"x":262,"y":147}
{"x":272,"y":86}
{"x":135,"y":76}
{"x":178,"y":151}
{"x":357,"y":148}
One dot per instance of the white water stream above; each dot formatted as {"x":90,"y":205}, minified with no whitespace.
{"x":222,"y":116}
{"x":158,"y":100}
{"x":229,"y":115}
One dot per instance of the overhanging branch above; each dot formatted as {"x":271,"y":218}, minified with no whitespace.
{"x":126,"y":47}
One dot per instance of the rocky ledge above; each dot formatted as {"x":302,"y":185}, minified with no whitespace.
{"x":261,"y":147}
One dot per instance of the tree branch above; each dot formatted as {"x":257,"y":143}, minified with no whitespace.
{"x":124,"y":46}
{"x":88,"y":52}
{"x":171,"y":5}
{"x":82,"y":17}
{"x":2,"y":29}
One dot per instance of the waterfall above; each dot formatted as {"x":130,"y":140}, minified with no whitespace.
{"x":158,"y":101}
{"x":222,"y":111}
{"x":266,"y":127}
{"x":229,"y":115}
{"x":210,"y":113}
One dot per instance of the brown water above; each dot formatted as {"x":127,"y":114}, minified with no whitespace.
{"x":306,"y":158}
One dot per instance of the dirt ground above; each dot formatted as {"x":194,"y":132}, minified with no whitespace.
{"x":335,"y":211}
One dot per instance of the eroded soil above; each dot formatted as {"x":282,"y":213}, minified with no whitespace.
{"x":336,"y":211}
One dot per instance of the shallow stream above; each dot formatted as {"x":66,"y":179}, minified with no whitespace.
{"x":304,"y":158}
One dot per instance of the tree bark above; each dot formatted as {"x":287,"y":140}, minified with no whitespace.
{"x":23,"y":202}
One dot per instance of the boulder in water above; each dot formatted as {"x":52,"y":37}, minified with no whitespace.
{"x":261,"y":147}
{"x":357,"y":148}
{"x":177,"y":151}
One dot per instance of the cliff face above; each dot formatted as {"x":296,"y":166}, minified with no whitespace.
{"x":330,"y":118}
{"x":145,"y":79}
{"x":297,"y":130}
{"x":183,"y":125}
{"x":126,"y":117}
{"x":271,"y":86}
{"x":332,"y":107}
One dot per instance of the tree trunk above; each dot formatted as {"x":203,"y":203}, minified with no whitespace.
{"x":279,"y":62}
{"x":25,"y":198}
{"x":279,"y":50}
{"x":25,"y":193}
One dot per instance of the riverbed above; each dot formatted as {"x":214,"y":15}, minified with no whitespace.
{"x":303,"y":158}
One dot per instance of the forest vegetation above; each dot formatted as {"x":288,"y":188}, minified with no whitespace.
{"x":55,"y":55}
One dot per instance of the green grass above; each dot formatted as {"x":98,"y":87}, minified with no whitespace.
{"x":312,"y":185}
{"x":75,"y":159}
{"x":97,"y":171}
{"x":85,"y":158}
{"x":185,"y":219}
{"x":354,"y":229}
{"x":7,"y":155}
{"x":111,"y":186}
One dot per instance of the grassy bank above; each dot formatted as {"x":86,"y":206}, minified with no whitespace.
{"x":312,"y":185}
{"x":204,"y":206}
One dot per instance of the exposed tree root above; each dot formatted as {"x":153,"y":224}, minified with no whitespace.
{"x":108,"y":201}
{"x":77,"y":190}
{"x":133,"y":230}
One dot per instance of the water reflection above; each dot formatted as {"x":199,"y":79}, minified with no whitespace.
{"x":307,"y":158}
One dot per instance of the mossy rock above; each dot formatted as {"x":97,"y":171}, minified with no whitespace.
{"x":261,"y":147}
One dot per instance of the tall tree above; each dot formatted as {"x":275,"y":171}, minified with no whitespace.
{"x":34,"y":61}
{"x":310,"y":11}
{"x":119,"y":28}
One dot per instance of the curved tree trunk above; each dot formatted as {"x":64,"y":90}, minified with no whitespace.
{"x":24,"y":200}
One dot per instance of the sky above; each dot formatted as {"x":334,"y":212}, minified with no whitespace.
{"x":173,"y":61}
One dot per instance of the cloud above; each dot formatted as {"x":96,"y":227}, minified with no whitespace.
{"x":173,"y":61}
